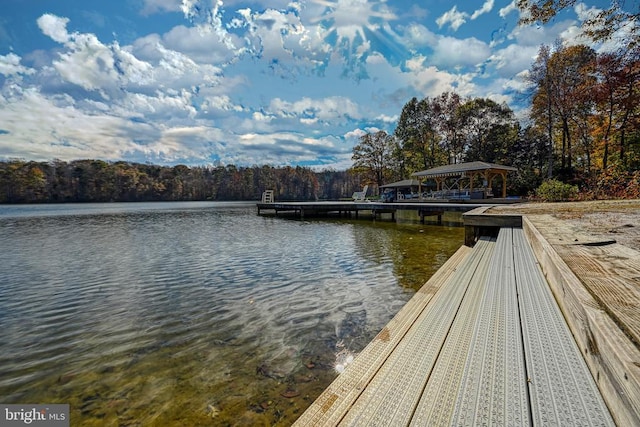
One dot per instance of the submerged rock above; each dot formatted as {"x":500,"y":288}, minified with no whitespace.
{"x":290,"y":393}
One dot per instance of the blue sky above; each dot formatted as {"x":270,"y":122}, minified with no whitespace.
{"x":279,"y":82}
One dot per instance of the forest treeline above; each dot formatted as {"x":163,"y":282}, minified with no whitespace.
{"x":99,"y":181}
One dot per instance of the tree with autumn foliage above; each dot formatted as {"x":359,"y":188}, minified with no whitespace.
{"x":587,"y":103}
{"x":560,"y":100}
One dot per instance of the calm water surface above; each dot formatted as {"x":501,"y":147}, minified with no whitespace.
{"x":195,"y":313}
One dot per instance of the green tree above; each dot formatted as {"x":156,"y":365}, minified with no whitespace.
{"x":418,"y":135}
{"x":489,"y":130}
{"x":447,"y":109}
{"x":373,"y":155}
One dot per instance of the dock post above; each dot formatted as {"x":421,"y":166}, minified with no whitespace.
{"x":469,"y":235}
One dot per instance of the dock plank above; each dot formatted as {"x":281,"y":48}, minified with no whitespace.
{"x":392,"y":395}
{"x":562,"y":390}
{"x":443,"y":387}
{"x":613,"y":359}
{"x":494,"y":390}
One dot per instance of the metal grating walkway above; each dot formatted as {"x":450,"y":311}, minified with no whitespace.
{"x":483,"y":343}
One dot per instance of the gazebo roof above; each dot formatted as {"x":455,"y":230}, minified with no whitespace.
{"x":403,"y":183}
{"x":461,"y":168}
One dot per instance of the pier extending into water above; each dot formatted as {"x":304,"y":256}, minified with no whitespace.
{"x":503,"y":334}
{"x":375,"y":209}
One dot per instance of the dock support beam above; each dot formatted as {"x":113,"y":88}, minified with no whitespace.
{"x":424,"y":213}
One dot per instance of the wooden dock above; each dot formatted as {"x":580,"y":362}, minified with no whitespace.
{"x":376,"y":209}
{"x":503,"y":334}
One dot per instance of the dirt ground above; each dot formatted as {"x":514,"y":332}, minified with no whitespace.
{"x":618,"y":220}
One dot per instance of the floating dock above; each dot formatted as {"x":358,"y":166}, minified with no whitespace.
{"x":503,"y":334}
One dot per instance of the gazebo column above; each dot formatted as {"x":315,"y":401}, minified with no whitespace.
{"x":487,"y":182}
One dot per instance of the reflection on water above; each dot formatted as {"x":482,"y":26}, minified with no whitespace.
{"x":195,"y":313}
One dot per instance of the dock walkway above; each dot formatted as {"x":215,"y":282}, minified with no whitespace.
{"x":482,"y":343}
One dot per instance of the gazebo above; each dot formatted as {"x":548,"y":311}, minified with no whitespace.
{"x":457,"y":180}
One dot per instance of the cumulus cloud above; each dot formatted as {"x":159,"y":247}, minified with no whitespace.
{"x":454,"y":52}
{"x":453,"y":17}
{"x":90,"y":64}
{"x":54,"y":27}
{"x":430,"y":81}
{"x":200,"y":46}
{"x":456,"y":18}
{"x":10,"y":66}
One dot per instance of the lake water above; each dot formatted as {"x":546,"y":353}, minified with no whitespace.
{"x":196,"y":313}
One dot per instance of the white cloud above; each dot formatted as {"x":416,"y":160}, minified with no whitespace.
{"x":533,"y":35}
{"x":92,"y":65}
{"x":43,"y":128}
{"x":430,"y":81}
{"x":355,"y":134}
{"x":456,"y":18}
{"x":10,"y":66}
{"x":269,"y":31}
{"x":453,"y":17}
{"x":584,"y":12}
{"x":207,"y":18}
{"x":334,"y":109}
{"x":513,"y":59}
{"x":288,"y":147}
{"x":486,"y":8}
{"x":185,"y":142}
{"x":54,"y":27}
{"x":418,"y":36}
{"x":201,"y":46}
{"x":511,"y":7}
{"x":453,"y":52}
